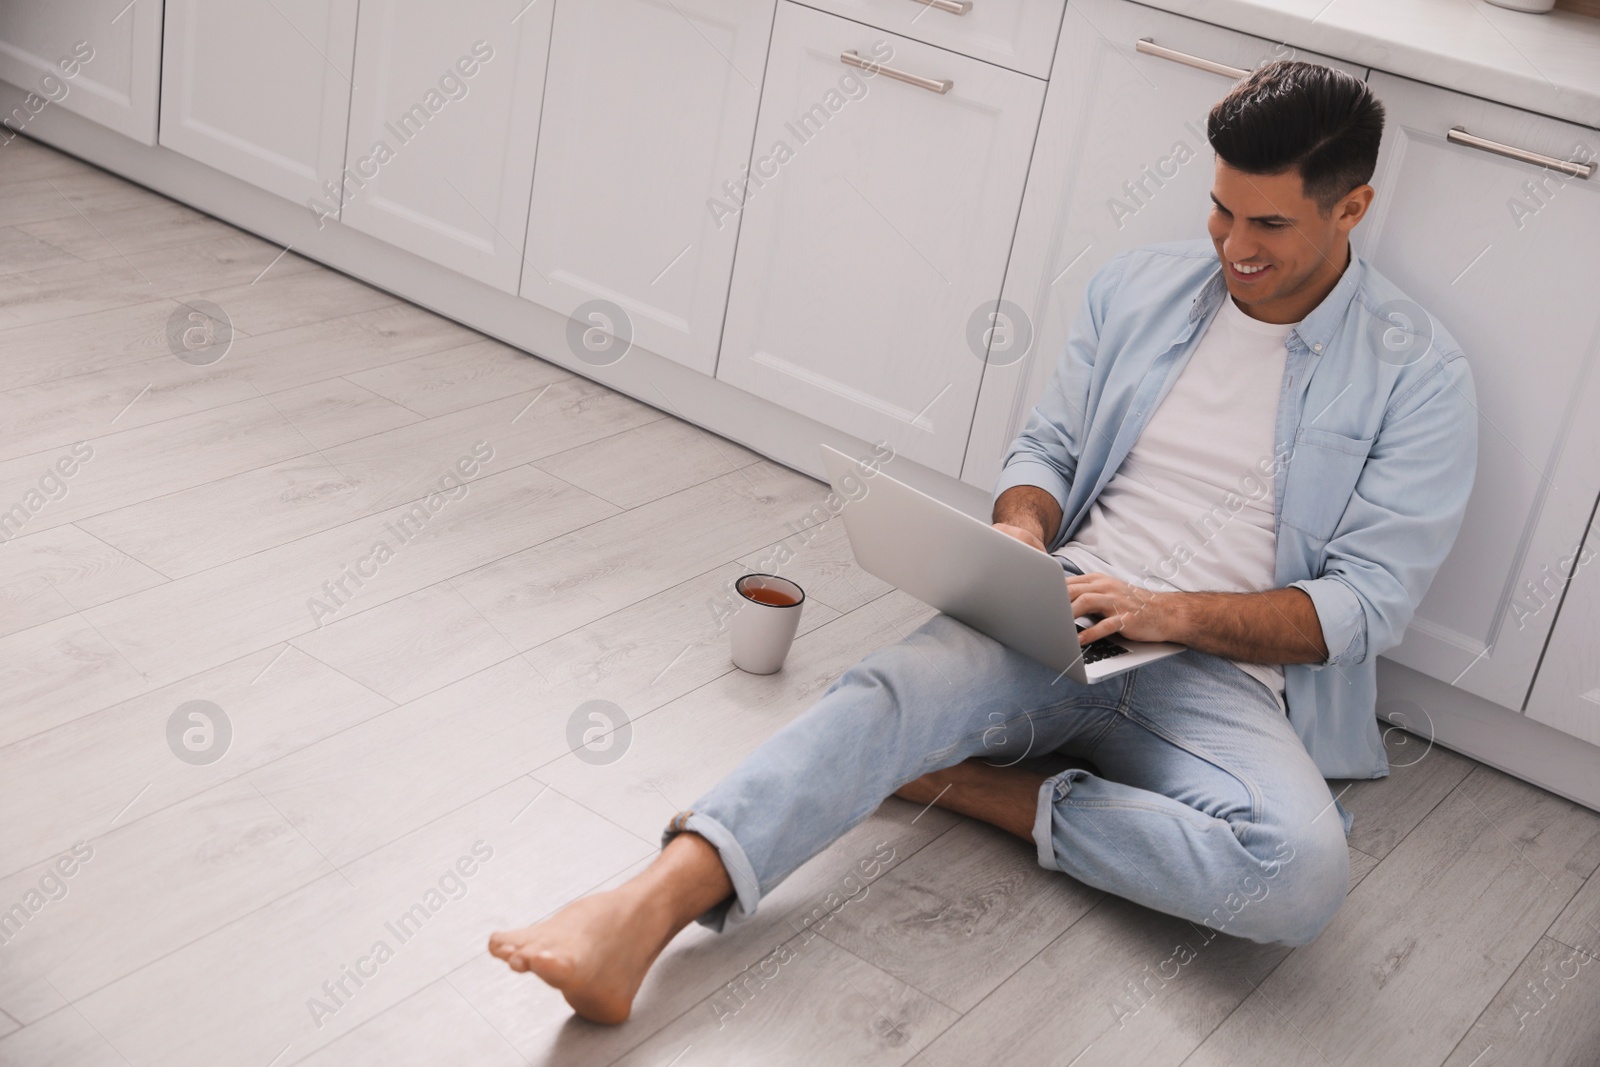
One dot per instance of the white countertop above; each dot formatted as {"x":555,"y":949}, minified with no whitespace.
{"x":1545,"y":63}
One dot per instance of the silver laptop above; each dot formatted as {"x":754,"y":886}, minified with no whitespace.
{"x":972,"y":572}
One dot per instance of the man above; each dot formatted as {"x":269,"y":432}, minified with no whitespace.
{"x":1255,"y":448}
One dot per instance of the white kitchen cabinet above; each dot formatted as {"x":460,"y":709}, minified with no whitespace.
{"x":1501,"y":253}
{"x":1122,"y":161}
{"x":261,"y":91}
{"x":651,"y":108}
{"x":98,"y":60}
{"x":444,"y":121}
{"x":1020,"y":34}
{"x":877,"y":232}
{"x":1566,"y":693}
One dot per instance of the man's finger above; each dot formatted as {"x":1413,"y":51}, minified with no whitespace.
{"x":1103,"y":628}
{"x":1094,"y":604}
{"x":1085,"y":602}
{"x":1078,"y":585}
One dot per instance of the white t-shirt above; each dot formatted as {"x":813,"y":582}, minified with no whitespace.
{"x":1191,"y":508}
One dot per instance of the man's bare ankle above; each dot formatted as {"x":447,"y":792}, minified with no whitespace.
{"x":683,"y":882}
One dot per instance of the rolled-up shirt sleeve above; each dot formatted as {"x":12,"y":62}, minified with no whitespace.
{"x":1402,"y":518}
{"x":1024,"y":471}
{"x":1343,"y":621}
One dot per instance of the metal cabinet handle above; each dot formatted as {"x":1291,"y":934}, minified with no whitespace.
{"x":1458,"y":135}
{"x":955,"y":7}
{"x":1150,"y":48}
{"x":933,"y":85}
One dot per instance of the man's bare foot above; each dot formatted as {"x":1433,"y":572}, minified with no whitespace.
{"x":1007,"y":797}
{"x":597,"y":950}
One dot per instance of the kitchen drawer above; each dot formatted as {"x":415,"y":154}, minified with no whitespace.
{"x":1020,"y":34}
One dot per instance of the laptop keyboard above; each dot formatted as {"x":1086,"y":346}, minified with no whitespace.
{"x":1104,"y":648}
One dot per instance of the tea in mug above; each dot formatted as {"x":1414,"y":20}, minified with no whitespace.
{"x":775,"y":597}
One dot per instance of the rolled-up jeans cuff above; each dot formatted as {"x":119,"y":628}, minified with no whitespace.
{"x":746,"y":887}
{"x":1044,"y":824}
{"x":1051,"y":790}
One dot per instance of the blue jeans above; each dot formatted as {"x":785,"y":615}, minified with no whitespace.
{"x":1207,"y":805}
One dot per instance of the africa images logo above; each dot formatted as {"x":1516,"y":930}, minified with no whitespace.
{"x":407,"y":527}
{"x":451,"y":886}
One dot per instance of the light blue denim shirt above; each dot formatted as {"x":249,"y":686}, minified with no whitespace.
{"x":1376,"y":417}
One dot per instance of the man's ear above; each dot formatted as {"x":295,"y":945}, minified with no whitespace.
{"x":1353,"y":208}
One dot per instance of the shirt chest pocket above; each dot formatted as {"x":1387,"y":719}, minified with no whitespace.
{"x":1322,"y":476}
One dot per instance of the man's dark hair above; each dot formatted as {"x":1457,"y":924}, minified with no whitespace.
{"x":1300,"y":116}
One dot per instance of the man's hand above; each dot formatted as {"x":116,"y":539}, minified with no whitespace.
{"x":1135,"y":613}
{"x":1027,"y":537}
{"x":1274,"y":626}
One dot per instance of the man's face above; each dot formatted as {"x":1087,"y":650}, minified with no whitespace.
{"x":1280,"y":251}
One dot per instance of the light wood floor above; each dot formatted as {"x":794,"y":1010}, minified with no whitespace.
{"x":423,"y":730}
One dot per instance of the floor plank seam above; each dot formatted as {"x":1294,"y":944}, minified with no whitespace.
{"x":1521,"y":852}
{"x":162,"y":360}
{"x":393,"y":704}
{"x":290,"y":641}
{"x":1090,"y":910}
{"x":1473,"y":1024}
{"x":166,"y":578}
{"x":1223,"y":1021}
{"x":1591,"y":952}
{"x":373,"y":392}
{"x":386,"y":711}
{"x":358,"y":518}
{"x":337,"y":872}
{"x":919,"y":1052}
{"x":1419,"y":821}
{"x":630,"y":507}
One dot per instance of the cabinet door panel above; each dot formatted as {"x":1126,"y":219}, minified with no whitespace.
{"x":1122,"y":161}
{"x":114,"y":86}
{"x":650,"y":109}
{"x":1566,"y":693}
{"x":1500,"y":252}
{"x":260,"y":91}
{"x":874,"y":239}
{"x":445,"y":157}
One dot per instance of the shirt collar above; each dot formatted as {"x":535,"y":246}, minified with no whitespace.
{"x":1316,"y":330}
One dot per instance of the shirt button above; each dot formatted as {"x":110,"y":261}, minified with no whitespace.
{"x":1317,"y":347}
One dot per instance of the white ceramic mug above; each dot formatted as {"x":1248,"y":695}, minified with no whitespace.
{"x":763,"y":627}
